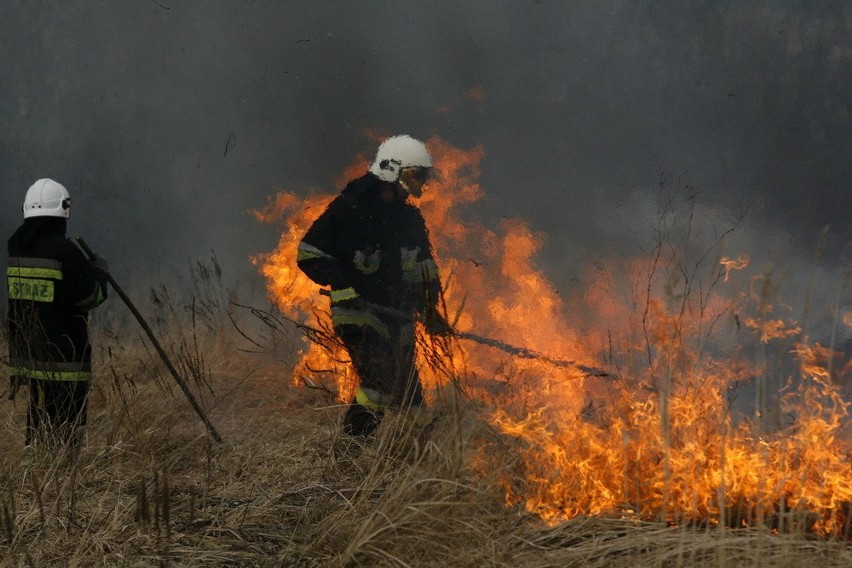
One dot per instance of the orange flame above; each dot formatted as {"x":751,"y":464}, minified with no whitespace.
{"x":661,"y":442}
{"x":772,"y":329}
{"x":738,"y":263}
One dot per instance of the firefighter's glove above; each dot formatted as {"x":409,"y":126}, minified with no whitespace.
{"x":100,"y":268}
{"x":436,"y":324}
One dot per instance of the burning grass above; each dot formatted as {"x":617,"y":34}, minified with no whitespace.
{"x":682,"y":332}
{"x":287,"y":489}
{"x":657,"y":462}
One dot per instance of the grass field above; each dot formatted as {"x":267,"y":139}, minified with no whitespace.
{"x":285,"y":488}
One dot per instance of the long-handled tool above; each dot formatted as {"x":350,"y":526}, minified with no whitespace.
{"x":522,"y":352}
{"x":526,"y":353}
{"x":178,"y":379}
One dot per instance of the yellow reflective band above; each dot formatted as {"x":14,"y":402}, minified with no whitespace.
{"x":51,"y":375}
{"x":345,"y":294}
{"x":426,"y":270}
{"x":30,"y":272}
{"x":305,"y":255}
{"x":361,"y":318}
{"x":307,"y":252}
{"x":31,"y":289}
{"x":430,"y":269}
{"x":364,"y":400}
{"x":95,"y":299}
{"x":367,"y":264}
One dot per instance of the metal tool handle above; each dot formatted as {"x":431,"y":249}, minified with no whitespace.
{"x":178,"y":379}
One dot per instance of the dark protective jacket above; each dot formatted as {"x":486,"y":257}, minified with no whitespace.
{"x":374,"y":249}
{"x":51,"y":288}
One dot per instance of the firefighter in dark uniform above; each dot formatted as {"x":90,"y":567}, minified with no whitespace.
{"x":371,"y":247}
{"x":51,"y":286}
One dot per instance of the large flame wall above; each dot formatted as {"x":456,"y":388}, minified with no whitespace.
{"x":661,"y":440}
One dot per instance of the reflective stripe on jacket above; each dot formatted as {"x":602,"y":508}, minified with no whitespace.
{"x":51,"y":288}
{"x":365,"y":246}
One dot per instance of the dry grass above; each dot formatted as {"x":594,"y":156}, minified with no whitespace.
{"x":287,"y":489}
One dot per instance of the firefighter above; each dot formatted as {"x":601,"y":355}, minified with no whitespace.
{"x":371,"y":247}
{"x":52,"y":287}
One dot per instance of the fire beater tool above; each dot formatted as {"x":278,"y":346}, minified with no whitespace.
{"x":178,"y":379}
{"x":526,"y":353}
{"x":516,"y":350}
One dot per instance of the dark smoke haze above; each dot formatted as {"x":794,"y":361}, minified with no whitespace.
{"x":168,"y":120}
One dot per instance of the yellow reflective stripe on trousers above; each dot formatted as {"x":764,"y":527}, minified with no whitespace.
{"x":364,"y":400}
{"x":51,"y":375}
{"x":344,"y":316}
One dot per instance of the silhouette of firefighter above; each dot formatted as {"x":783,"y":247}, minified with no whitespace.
{"x":371,"y":247}
{"x":52,"y":287}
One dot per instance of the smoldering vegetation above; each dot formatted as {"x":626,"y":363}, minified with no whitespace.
{"x":286,"y":488}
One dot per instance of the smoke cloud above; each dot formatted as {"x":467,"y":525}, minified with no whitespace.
{"x":169,"y":120}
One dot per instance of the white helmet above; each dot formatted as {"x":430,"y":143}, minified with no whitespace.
{"x":47,"y":198}
{"x":399,"y":152}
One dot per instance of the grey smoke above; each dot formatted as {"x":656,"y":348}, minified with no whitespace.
{"x":168,"y":120}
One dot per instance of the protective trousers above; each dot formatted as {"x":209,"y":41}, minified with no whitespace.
{"x":385,"y":364}
{"x":57,"y":411}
